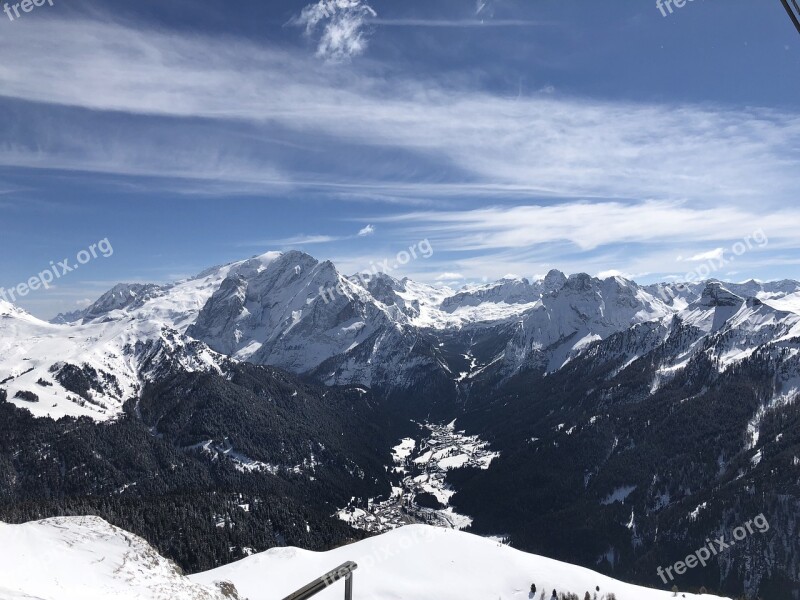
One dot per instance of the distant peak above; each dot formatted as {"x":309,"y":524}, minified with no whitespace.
{"x":579,"y":282}
{"x":554,"y":281}
{"x":511,"y":278}
{"x":268,"y":257}
{"x":715,"y":294}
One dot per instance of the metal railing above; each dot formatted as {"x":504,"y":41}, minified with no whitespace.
{"x":344,"y":571}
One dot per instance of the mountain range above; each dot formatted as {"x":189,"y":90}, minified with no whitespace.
{"x":291,"y":311}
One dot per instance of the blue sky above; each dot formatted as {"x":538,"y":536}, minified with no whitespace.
{"x":515,"y":136}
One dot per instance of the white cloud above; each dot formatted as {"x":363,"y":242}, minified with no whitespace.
{"x":448,"y":276}
{"x":613,"y":273}
{"x":588,"y":226}
{"x":344,"y":22}
{"x":457,"y":23}
{"x":368,"y":230}
{"x":298,"y":240}
{"x":634,"y":238}
{"x":715,"y":254}
{"x":644,"y":174}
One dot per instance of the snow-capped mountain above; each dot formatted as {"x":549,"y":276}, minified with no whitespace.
{"x":302,"y":315}
{"x":584,"y":310}
{"x":510,"y":290}
{"x":679,"y":294}
{"x":292,"y":311}
{"x":88,"y":558}
{"x":91,"y":367}
{"x":693,"y":412}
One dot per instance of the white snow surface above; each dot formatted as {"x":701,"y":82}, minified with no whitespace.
{"x":85,"y":558}
{"x":419,"y":562}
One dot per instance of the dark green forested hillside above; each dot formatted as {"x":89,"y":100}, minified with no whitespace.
{"x":154,"y":472}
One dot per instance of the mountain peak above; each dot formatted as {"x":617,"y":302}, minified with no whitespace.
{"x":580,"y":282}
{"x":715,"y":294}
{"x":553,"y":281}
{"x":511,"y":278}
{"x":507,"y":290}
{"x":123,"y":295}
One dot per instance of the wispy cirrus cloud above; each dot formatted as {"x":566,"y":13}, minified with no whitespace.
{"x":480,"y":144}
{"x":714,"y":254}
{"x":449,"y":276}
{"x":640,"y":239}
{"x":588,"y":226}
{"x":343,"y":24}
{"x":310,"y":240}
{"x":296,"y":240}
{"x":458,"y":23}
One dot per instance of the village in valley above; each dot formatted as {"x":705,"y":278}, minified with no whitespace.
{"x":422,"y":494}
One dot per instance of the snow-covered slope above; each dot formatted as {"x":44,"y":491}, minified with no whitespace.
{"x":419,"y":562}
{"x":85,"y":558}
{"x":510,"y":290}
{"x":304,"y":316}
{"x":584,"y":310}
{"x":295,"y":313}
{"x":92,"y":367}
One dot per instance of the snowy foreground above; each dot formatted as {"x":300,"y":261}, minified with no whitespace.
{"x":85,"y":558}
{"x":419,"y":562}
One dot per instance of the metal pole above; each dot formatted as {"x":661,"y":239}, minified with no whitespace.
{"x":344,"y":571}
{"x":348,"y":587}
{"x":795,"y":18}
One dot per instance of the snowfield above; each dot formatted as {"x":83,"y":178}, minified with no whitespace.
{"x":85,"y":558}
{"x":418,"y":562}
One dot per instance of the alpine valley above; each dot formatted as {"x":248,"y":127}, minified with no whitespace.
{"x":275,"y":401}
